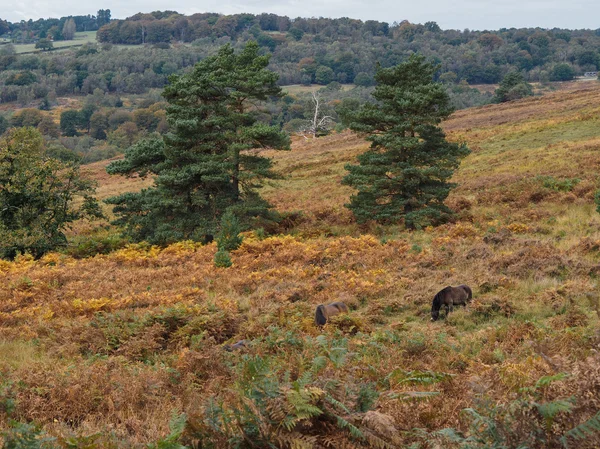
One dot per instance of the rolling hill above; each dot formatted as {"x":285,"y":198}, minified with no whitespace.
{"x":109,"y":348}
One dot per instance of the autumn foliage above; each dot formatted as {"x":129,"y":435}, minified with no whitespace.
{"x":110,"y":349}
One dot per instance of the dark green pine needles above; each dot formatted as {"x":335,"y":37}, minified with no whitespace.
{"x":405,"y":173}
{"x":207,"y":164}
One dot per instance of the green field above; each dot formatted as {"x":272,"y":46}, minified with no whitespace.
{"x":81,"y":38}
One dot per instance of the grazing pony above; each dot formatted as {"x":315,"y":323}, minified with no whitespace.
{"x":449,"y":297}
{"x":236,"y":346}
{"x":324,"y":312}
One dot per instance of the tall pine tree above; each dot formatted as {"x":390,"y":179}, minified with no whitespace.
{"x":405,"y":173}
{"x":208,"y":163}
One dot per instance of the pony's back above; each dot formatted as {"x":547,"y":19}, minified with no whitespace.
{"x":338,"y":307}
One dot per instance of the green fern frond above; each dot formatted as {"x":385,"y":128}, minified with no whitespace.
{"x":549,"y":410}
{"x":544,"y":381}
{"x":354,"y":431}
{"x":177,"y":426}
{"x":337,"y":404}
{"x":583,"y":430}
{"x":451,"y":434}
{"x":305,"y":378}
{"x":318,"y":364}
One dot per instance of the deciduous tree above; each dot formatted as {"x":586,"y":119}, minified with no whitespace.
{"x":512,"y":87}
{"x":44,"y":44}
{"x":37,"y":196}
{"x":69,"y":28}
{"x":69,"y":120}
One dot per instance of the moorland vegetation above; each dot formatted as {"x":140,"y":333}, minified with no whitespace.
{"x":183,"y":342}
{"x":105,"y":351}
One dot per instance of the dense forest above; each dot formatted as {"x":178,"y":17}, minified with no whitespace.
{"x":345,"y":50}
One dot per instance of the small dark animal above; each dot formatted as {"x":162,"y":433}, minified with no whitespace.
{"x":449,"y":297}
{"x":236,"y":346}
{"x":208,"y":238}
{"x":324,"y":312}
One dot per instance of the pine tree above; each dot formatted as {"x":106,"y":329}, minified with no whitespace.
{"x":229,"y":238}
{"x":208,"y":163}
{"x":405,"y":173}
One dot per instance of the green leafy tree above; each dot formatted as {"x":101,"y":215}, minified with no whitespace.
{"x":324,"y":75}
{"x":69,"y":120}
{"x":296,"y":33}
{"x":85,"y":116}
{"x":208,"y":162}
{"x":513,"y":87}
{"x":98,"y":126}
{"x":363,"y":79}
{"x":405,"y":173}
{"x":37,"y":195}
{"x":27,"y":117}
{"x":562,"y":72}
{"x":44,"y":44}
{"x":47,"y":127}
{"x":22,"y":78}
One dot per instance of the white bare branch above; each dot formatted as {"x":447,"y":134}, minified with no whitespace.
{"x":319,"y":122}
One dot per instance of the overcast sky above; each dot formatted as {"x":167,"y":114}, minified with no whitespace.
{"x":459,"y":14}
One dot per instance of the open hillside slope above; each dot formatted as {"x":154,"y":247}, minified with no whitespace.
{"x":105,"y":350}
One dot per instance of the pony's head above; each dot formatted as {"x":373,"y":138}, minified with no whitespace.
{"x":436,"y":304}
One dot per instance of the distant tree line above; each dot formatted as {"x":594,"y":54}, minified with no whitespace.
{"x":346,"y":50}
{"x":55,"y":29}
{"x":321,"y":50}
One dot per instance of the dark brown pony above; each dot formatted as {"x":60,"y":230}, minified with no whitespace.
{"x":449,"y":297}
{"x":324,"y":312}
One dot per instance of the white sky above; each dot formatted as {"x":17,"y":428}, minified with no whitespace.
{"x":457,"y":14}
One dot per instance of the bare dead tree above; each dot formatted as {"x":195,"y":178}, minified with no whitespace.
{"x":319,"y":122}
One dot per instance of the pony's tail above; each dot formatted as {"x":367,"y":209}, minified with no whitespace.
{"x":320,"y":317}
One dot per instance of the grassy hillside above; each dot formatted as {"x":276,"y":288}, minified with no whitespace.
{"x":111,"y":347}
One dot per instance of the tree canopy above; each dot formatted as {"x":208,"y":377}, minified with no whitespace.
{"x":513,"y":87}
{"x":36,"y":195}
{"x":405,"y":173}
{"x":208,"y":163}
